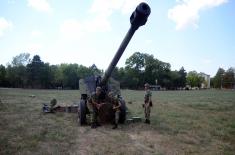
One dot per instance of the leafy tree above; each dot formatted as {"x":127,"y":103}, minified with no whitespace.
{"x":35,"y":72}
{"x":16,"y":74}
{"x":46,"y":76}
{"x":71,"y":79}
{"x":229,"y":78}
{"x":11,"y":76}
{"x":182,"y":78}
{"x":174,"y":80}
{"x":157,"y":70}
{"x":21,"y":59}
{"x":134,"y":67}
{"x":217,"y":80}
{"x":142,"y":67}
{"x":120,"y":74}
{"x":21,"y":76}
{"x":193,"y":79}
{"x":136,"y":61}
{"x":151,"y":70}
{"x":3,"y":82}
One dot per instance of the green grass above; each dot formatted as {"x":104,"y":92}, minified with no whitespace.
{"x":182,"y":122}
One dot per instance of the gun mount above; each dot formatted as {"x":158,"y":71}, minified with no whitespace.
{"x":88,"y":85}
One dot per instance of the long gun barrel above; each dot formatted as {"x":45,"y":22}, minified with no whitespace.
{"x":138,"y":18}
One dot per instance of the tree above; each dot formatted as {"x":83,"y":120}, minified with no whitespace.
{"x":182,"y":78}
{"x":3,"y":82}
{"x":157,"y":70}
{"x":151,"y":70}
{"x":229,"y":78}
{"x":134,"y":70}
{"x":16,"y":74}
{"x":71,"y":79}
{"x":217,"y":80}
{"x":173,"y":82}
{"x":142,"y":67}
{"x":35,"y":72}
{"x":136,"y":61}
{"x":193,"y":79}
{"x":21,"y":59}
{"x":11,"y":76}
{"x":46,"y":76}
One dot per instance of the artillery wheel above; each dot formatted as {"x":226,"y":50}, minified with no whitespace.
{"x":82,"y":112}
{"x":122,"y":115}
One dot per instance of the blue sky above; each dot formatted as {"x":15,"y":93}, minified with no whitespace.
{"x":196,"y":34}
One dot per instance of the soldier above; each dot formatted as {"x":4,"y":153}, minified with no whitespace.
{"x":116,"y":107}
{"x":94,"y":106}
{"x":52,"y":104}
{"x":147,"y":103}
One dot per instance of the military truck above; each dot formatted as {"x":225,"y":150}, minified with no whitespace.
{"x":88,"y":85}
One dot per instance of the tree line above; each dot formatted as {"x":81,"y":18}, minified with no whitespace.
{"x":224,"y":79}
{"x":140,"y":68}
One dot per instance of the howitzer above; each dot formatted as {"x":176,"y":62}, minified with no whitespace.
{"x":88,"y":85}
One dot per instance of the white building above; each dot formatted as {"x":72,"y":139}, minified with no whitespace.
{"x":206,"y":83}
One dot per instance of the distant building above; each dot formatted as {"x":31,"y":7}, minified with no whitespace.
{"x":206,"y":83}
{"x":155,"y":87}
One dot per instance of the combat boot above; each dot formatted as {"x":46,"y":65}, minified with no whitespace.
{"x":115,"y":126}
{"x":98,"y":124}
{"x":93,"y":125}
{"x":148,"y":121}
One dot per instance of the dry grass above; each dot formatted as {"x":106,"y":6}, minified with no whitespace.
{"x":182,"y":122}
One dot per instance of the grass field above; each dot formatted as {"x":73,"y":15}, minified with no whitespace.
{"x":182,"y":122}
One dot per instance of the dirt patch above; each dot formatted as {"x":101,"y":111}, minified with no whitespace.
{"x":127,"y":139}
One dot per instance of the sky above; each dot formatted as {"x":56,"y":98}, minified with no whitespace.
{"x":196,"y":34}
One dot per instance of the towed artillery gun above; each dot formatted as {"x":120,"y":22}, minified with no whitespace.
{"x":88,"y":85}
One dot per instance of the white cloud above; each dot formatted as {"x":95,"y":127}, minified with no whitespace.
{"x":4,"y":25}
{"x":36,"y":33}
{"x":106,"y":7}
{"x":186,"y":13}
{"x":97,"y":24}
{"x":103,"y":9}
{"x":130,"y":5}
{"x":40,"y":5}
{"x":71,"y":29}
{"x":100,"y":10}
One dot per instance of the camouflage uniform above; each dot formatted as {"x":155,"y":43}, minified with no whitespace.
{"x":92,"y":108}
{"x":115,"y":102}
{"x":147,"y":104}
{"x":52,"y":104}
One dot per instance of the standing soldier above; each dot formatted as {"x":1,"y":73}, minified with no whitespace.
{"x":147,"y":103}
{"x":94,"y":106}
{"x":116,"y":107}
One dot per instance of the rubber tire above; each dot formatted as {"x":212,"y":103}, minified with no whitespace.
{"x":122,"y":115}
{"x":82,"y":112}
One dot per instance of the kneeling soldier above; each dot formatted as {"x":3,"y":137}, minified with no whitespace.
{"x":116,"y":107}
